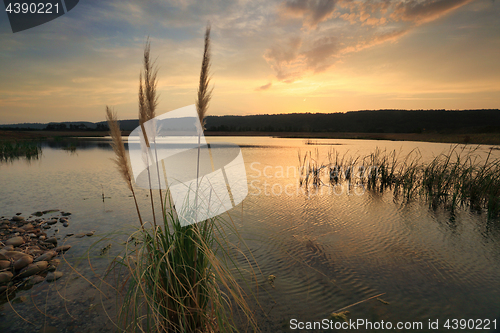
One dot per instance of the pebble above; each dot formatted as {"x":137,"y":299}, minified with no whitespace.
{"x":5,"y":277}
{"x":15,"y":255}
{"x":50,"y":211}
{"x":63,"y":248}
{"x":35,"y":252}
{"x":53,"y":265}
{"x":23,"y":262}
{"x":4,"y":264}
{"x":15,"y":241}
{"x":52,"y":240}
{"x":27,"y":253}
{"x":35,"y":279}
{"x":52,"y":276}
{"x":33,"y":269}
{"x":80,"y":235}
{"x":47,"y":256}
{"x":28,"y":226}
{"x":90,"y":233}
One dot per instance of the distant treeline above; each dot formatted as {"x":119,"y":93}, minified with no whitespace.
{"x":379,"y":121}
{"x":374,"y":121}
{"x":63,"y":126}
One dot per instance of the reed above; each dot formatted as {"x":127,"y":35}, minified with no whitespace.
{"x":179,"y":277}
{"x":12,"y":150}
{"x":457,"y":178}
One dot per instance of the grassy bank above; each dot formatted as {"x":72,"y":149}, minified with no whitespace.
{"x":472,"y":138}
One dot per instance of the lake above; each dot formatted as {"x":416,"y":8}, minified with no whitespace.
{"x":328,"y":248}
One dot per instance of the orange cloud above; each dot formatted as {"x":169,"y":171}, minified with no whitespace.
{"x":312,"y":11}
{"x":425,"y":11}
{"x":317,"y":50}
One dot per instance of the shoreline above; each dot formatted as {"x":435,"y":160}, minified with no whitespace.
{"x":468,"y":138}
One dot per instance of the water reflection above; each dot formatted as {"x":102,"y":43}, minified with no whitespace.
{"x":73,"y":144}
{"x":327,"y":248}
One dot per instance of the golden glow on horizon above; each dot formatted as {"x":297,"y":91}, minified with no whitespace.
{"x":288,"y":61}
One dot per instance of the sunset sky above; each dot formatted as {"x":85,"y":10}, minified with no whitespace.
{"x":269,"y":56}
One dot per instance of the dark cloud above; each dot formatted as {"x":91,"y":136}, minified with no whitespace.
{"x":321,"y":54}
{"x":264,"y":87}
{"x":313,"y":12}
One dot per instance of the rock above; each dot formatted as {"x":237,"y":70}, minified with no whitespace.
{"x":15,"y":241}
{"x":32,"y":235}
{"x":42,"y":237}
{"x":46,"y":226}
{"x":65,"y":224}
{"x":52,"y":240}
{"x":4,"y":264}
{"x":27,"y":227}
{"x":63,"y":248}
{"x":50,"y":211}
{"x":23,"y":262}
{"x":63,"y":219}
{"x":90,"y":233}
{"x":17,"y":218}
{"x":7,"y":248}
{"x":47,"y":256}
{"x":51,"y":222}
{"x":37,"y":213}
{"x":80,"y":235}
{"x":54,"y":264}
{"x":66,"y":214}
{"x":33,"y":269}
{"x":6,"y":277}
{"x":14,"y":255}
{"x":35,"y":279}
{"x":70,"y":234}
{"x":35,"y":252}
{"x":52,"y":276}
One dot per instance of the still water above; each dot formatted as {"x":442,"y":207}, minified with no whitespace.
{"x":328,"y":249}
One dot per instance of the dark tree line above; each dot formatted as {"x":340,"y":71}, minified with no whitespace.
{"x":379,"y":121}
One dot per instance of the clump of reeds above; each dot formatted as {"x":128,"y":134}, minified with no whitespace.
{"x":458,"y":178}
{"x":177,"y":273}
{"x":12,"y":150}
{"x":310,"y":169}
